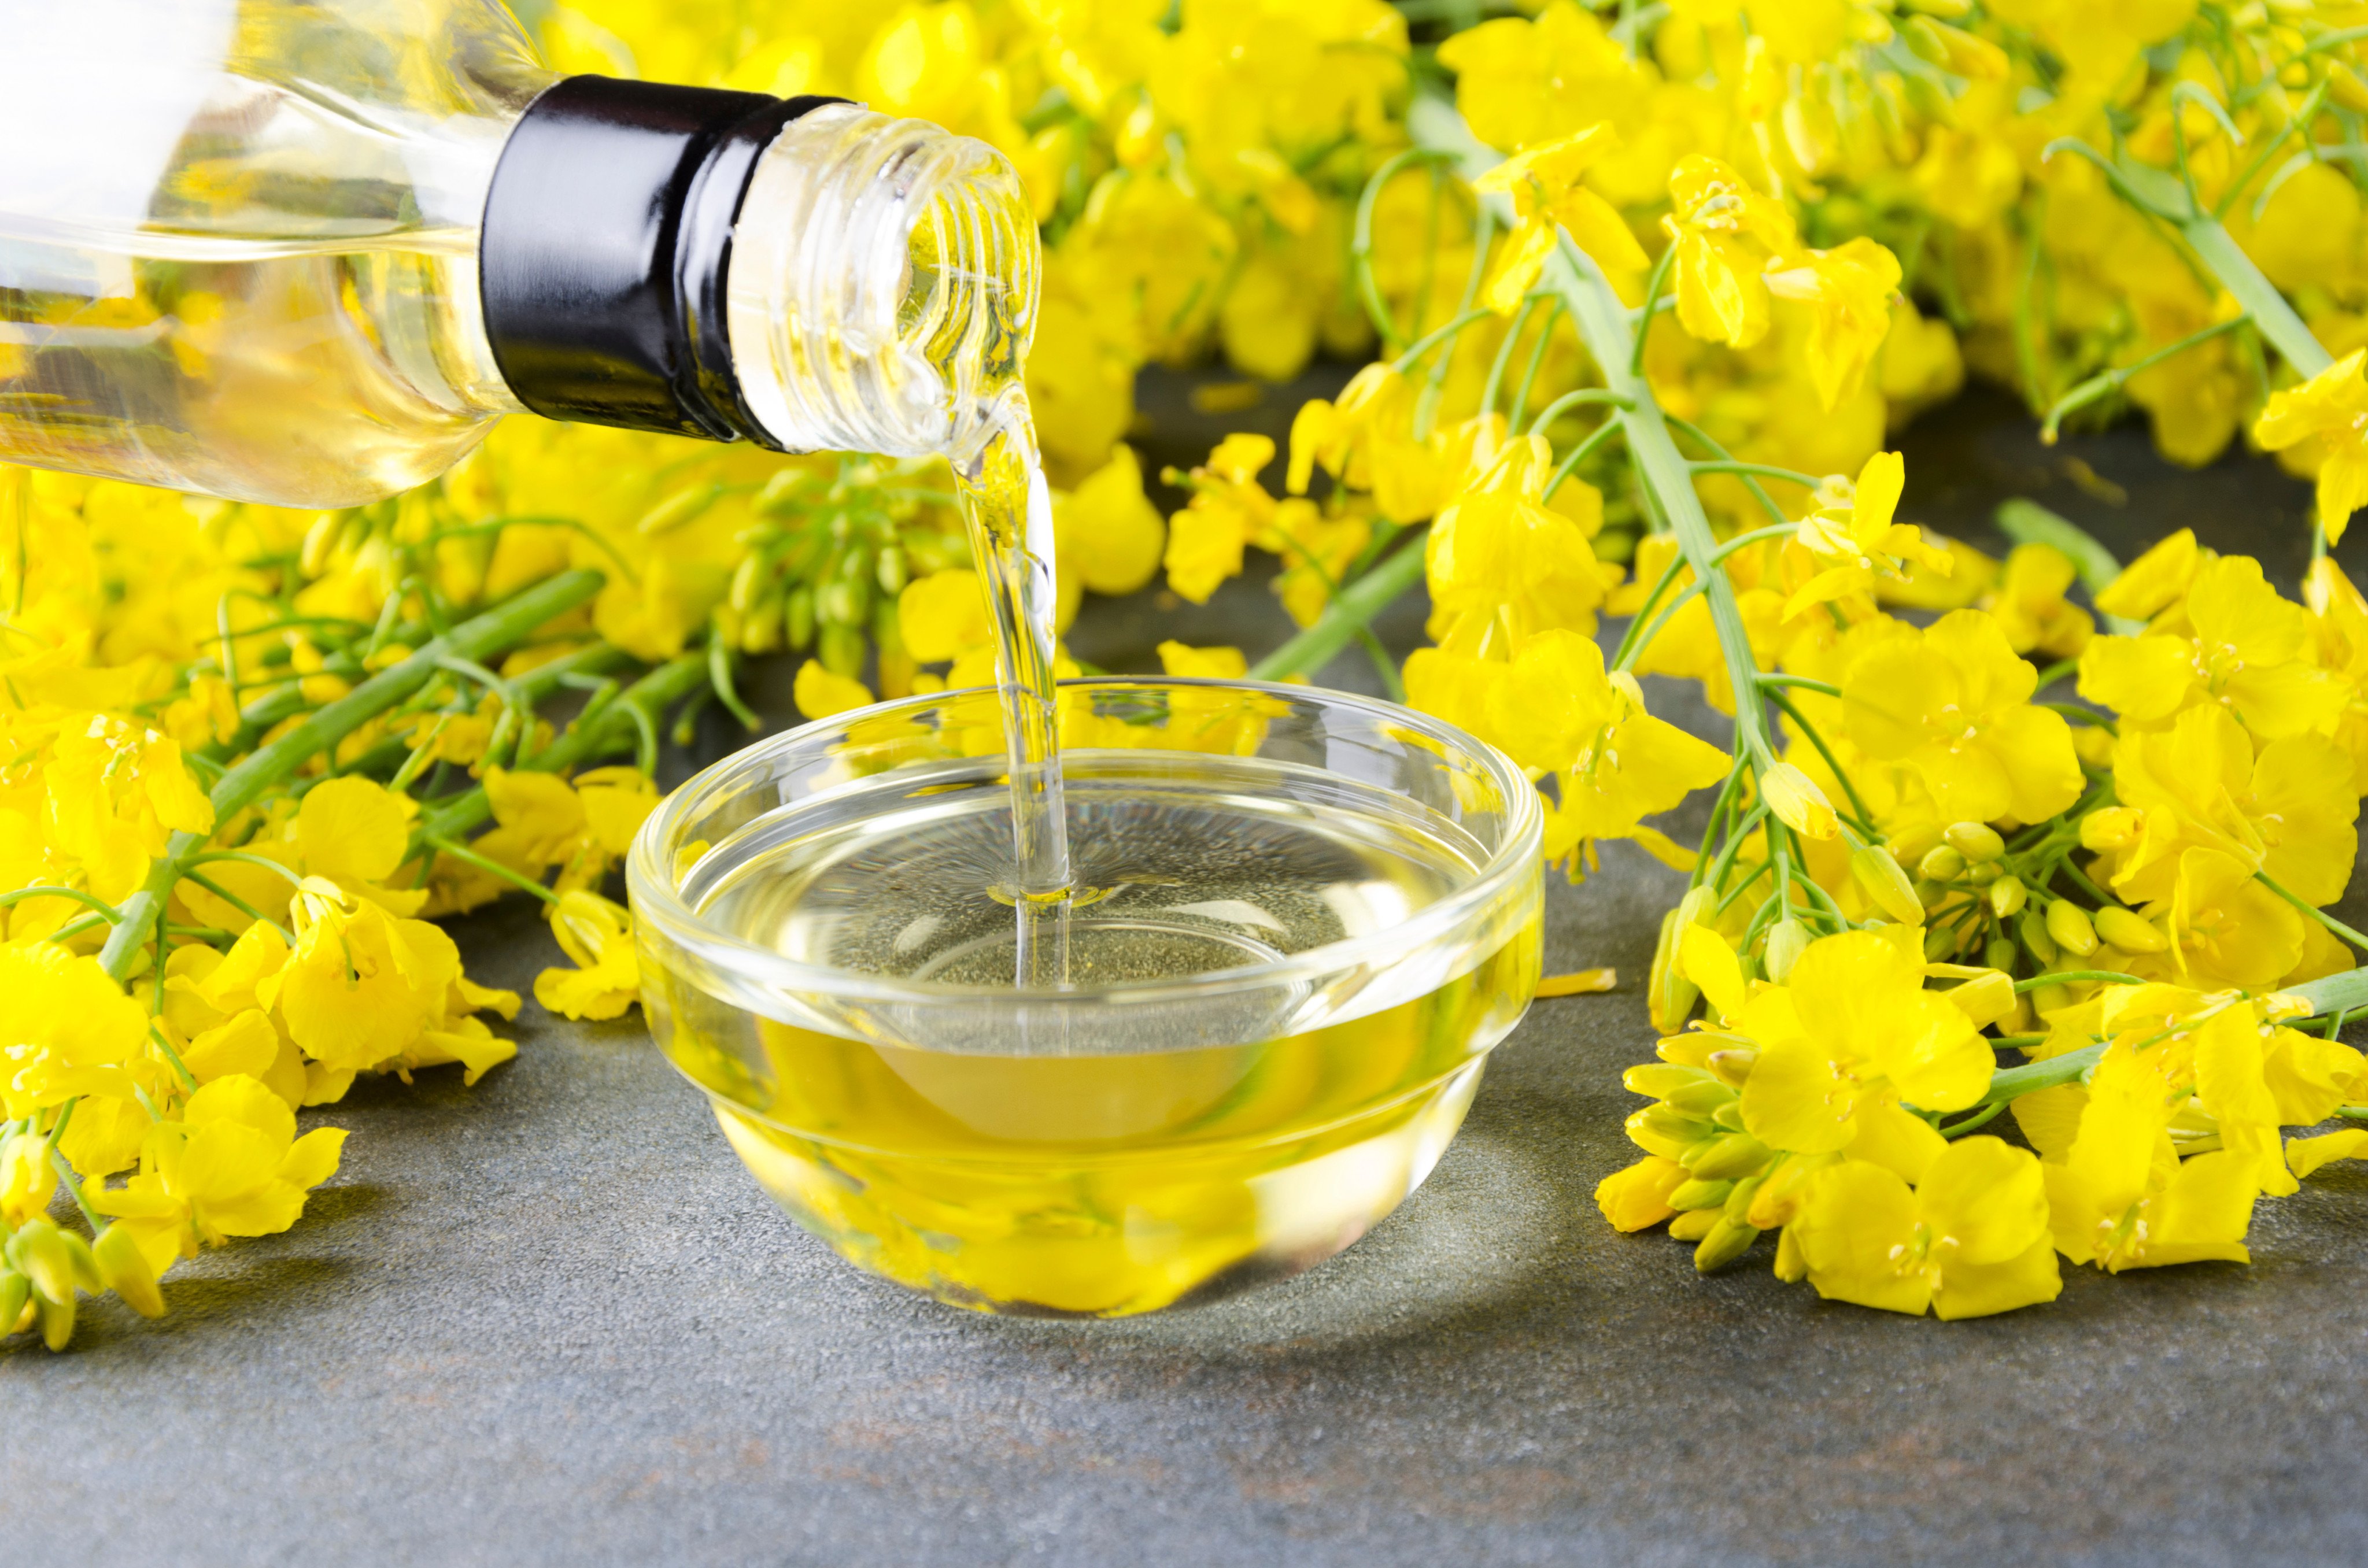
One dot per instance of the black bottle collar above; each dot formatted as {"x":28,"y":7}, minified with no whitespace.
{"x":608,"y":238}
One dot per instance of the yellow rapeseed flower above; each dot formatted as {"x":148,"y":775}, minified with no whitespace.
{"x":2242,"y":646}
{"x":1954,"y":703}
{"x":1555,"y":710}
{"x":2331,"y":411}
{"x":2119,"y":1195}
{"x":1726,"y":232}
{"x":820,"y":694}
{"x":1849,"y":541}
{"x":1545,"y":182}
{"x":1848,"y":290}
{"x":65,"y":1029}
{"x":1848,"y":1036}
{"x":599,"y":936}
{"x":1969,"y":1240}
{"x":231,"y":1166}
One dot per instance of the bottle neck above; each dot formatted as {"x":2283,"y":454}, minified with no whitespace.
{"x":607,"y":243}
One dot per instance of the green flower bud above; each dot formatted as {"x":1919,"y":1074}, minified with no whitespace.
{"x":1699,"y":1193}
{"x":39,"y":1248}
{"x":1726,"y":1242}
{"x":1999,"y":953}
{"x":123,"y":1269}
{"x":798,"y":618}
{"x":1669,"y":995}
{"x":57,"y":1320}
{"x":1941,"y":864}
{"x":749,"y":580}
{"x":1733,"y":1065}
{"x":1983,"y":873}
{"x":891,"y":573}
{"x":1787,"y":940}
{"x":1701,"y":1097}
{"x":760,"y":629}
{"x":684,"y":505}
{"x":1976,"y":841}
{"x":780,"y":492}
{"x":1735,"y":1155}
{"x":1940,"y":942}
{"x":1879,"y":875}
{"x":2007,"y":897}
{"x":2046,"y":999}
{"x":16,"y":1295}
{"x":1662,"y":1080}
{"x":2070,"y":925}
{"x":842,"y":651}
{"x":1658,"y":1130}
{"x":843,"y":601}
{"x":1729,"y":1115}
{"x":1738,"y":1202}
{"x":2033,"y":929}
{"x":933,"y":552}
{"x":86,"y":1267}
{"x":2127,"y":931}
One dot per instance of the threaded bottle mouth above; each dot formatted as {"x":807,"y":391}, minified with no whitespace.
{"x":883,"y":288}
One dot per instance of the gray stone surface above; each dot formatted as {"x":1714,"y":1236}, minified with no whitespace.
{"x":551,"y":1320}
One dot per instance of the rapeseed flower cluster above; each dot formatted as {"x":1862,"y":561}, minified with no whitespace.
{"x":1642,"y":306}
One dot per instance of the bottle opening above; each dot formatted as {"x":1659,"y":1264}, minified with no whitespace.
{"x":883,"y":288}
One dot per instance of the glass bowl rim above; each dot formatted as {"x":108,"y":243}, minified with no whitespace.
{"x":654,"y":895}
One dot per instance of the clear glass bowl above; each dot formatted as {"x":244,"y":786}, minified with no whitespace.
{"x":1306,"y":917}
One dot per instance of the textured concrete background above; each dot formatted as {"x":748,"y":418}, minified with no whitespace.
{"x":551,"y":1320}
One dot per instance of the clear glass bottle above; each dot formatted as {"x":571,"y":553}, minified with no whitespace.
{"x":306,"y":251}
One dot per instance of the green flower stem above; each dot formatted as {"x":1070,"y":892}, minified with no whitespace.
{"x":1641,"y":633}
{"x":1652,"y":306}
{"x":2312,"y":910}
{"x":2219,"y":251}
{"x":1858,"y":815}
{"x":2340,"y":993}
{"x":1344,"y":618}
{"x":719,"y":675}
{"x":1360,"y":243}
{"x":1743,"y":540}
{"x":173,"y":1059}
{"x":67,"y":1179}
{"x":1702,"y":438}
{"x":1636,"y":622}
{"x":1433,"y":338}
{"x":1806,"y":683}
{"x":1579,"y":454}
{"x":1602,"y":323}
{"x":2012,"y":1082}
{"x":2104,"y":385}
{"x":621,"y":722}
{"x":492,"y":867}
{"x":1569,"y":401}
{"x":224,"y":893}
{"x":2065,"y":977}
{"x":1762,"y":470}
{"x":77,"y":895}
{"x":272,"y":764}
{"x":1514,"y":415}
{"x":1979,"y":1120}
{"x":1504,"y":358}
